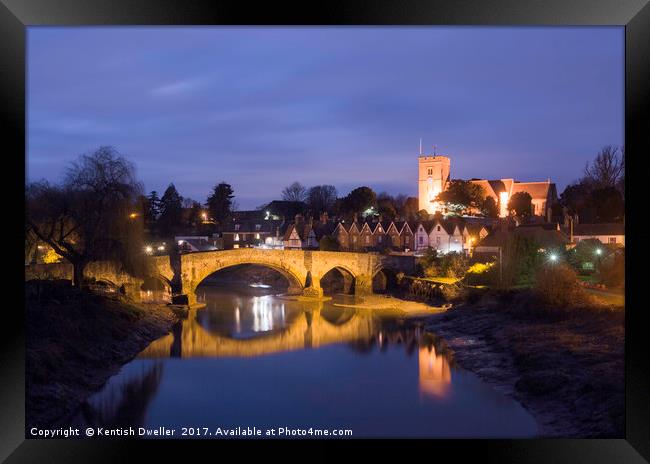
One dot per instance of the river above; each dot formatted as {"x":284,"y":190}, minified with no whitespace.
{"x":254,"y":359}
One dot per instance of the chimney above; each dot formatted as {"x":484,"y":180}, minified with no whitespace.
{"x":354,"y":219}
{"x":298,"y":218}
{"x":324,"y":218}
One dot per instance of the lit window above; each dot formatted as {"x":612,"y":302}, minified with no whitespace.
{"x":257,"y":236}
{"x":236,"y":226}
{"x":612,"y":239}
{"x":367,"y":239}
{"x":258,"y":227}
{"x":235,"y":246}
{"x":236,"y":237}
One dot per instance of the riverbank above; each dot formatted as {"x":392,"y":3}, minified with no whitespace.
{"x":566,"y":366}
{"x":76,"y":341}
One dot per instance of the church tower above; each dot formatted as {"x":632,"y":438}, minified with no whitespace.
{"x":432,"y":179}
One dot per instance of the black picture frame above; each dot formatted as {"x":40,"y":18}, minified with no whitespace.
{"x":634,"y":15}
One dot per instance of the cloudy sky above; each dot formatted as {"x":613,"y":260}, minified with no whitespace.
{"x":262,"y":107}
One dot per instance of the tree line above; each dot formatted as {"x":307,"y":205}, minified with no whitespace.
{"x":360,"y":202}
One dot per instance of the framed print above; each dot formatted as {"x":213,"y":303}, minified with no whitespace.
{"x":404,"y":220}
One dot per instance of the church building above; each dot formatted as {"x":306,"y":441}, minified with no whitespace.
{"x":434,"y":176}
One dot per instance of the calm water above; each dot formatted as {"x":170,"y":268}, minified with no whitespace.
{"x":254,"y":359}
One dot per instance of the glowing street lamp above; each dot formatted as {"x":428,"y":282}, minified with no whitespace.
{"x":133,"y":215}
{"x":204,"y":216}
{"x":148,"y":249}
{"x":553,"y":257}
{"x":599,"y":251}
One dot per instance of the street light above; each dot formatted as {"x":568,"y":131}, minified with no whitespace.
{"x":133,"y":215}
{"x":553,"y":257}
{"x":599,"y":251}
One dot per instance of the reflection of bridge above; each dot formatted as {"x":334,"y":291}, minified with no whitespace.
{"x":303,"y":269}
{"x":309,"y":330}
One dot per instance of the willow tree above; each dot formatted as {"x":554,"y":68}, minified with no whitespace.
{"x":91,"y":215}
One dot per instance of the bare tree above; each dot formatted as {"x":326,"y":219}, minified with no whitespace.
{"x":608,"y":169}
{"x":294,"y":192}
{"x":90,"y":216}
{"x":321,"y":198}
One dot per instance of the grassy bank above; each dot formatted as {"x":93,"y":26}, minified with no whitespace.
{"x":76,"y":341}
{"x":566,"y":366}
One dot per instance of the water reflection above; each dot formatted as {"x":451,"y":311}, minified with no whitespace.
{"x":259,"y":360}
{"x":434,"y":373}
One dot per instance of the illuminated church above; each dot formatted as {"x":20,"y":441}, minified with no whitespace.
{"x":433,"y":178}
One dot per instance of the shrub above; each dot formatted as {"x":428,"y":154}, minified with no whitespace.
{"x":453,"y":265}
{"x":611,"y":271}
{"x":427,"y":264}
{"x":449,"y":265}
{"x":481,"y":274}
{"x":583,"y":256}
{"x":521,"y":260}
{"x":557,"y":285}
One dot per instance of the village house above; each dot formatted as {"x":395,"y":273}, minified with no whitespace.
{"x":247,"y":233}
{"x":448,"y":235}
{"x":606,"y":233}
{"x":300,"y":234}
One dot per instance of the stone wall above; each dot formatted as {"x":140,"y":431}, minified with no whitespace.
{"x":303,"y":269}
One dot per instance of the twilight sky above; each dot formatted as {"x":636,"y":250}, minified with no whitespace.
{"x":262,"y":107}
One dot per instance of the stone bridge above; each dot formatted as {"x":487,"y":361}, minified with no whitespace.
{"x":302,"y":269}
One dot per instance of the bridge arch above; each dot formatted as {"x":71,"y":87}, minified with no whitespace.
{"x":196,"y":267}
{"x":383,"y":279}
{"x":339,"y":279}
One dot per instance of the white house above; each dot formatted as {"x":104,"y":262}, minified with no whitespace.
{"x":607,"y":233}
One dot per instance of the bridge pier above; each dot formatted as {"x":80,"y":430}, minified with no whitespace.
{"x":313,"y":291}
{"x":363,"y":285}
{"x":348,"y":283}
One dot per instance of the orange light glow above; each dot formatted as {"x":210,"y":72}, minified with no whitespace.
{"x":435,"y":373}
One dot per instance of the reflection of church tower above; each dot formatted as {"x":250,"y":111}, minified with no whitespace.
{"x":435,"y":373}
{"x":432,"y":179}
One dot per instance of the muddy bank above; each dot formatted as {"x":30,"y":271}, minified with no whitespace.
{"x":565,"y":366}
{"x":76,"y":341}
